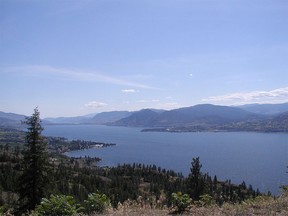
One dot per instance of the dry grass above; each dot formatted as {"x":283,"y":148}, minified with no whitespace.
{"x":265,"y":206}
{"x":261,"y":206}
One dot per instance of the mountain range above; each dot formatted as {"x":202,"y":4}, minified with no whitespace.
{"x":266,"y":109}
{"x":98,"y":118}
{"x":198,"y":117}
{"x":13,"y":120}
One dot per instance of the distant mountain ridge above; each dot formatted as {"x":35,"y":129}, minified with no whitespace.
{"x":199,"y":117}
{"x":141,"y":118}
{"x":12,"y":116}
{"x":265,"y":109}
{"x":11,"y":120}
{"x":66,"y":120}
{"x":108,"y":117}
{"x":194,"y":115}
{"x":98,"y":118}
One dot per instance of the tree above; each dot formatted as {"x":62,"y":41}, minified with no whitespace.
{"x":33,"y":180}
{"x":196,"y":182}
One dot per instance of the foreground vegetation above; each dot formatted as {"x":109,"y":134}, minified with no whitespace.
{"x":52,"y":184}
{"x":261,"y":205}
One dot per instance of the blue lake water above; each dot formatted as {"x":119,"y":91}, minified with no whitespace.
{"x":259,"y":159}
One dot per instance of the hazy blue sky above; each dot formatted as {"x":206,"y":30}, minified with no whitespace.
{"x":79,"y":57}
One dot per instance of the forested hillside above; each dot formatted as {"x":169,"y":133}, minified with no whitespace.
{"x":33,"y":172}
{"x":79,"y":177}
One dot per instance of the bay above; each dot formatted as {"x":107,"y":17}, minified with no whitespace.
{"x":259,"y":159}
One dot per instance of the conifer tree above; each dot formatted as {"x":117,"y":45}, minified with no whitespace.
{"x":196,"y":182}
{"x":34,"y":179}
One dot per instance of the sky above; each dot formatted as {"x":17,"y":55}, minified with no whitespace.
{"x":72,"y":57}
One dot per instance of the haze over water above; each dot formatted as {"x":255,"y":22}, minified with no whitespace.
{"x":259,"y":159}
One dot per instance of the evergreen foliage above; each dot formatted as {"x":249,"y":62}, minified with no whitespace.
{"x":128,"y":181}
{"x":34,"y":177}
{"x":196,"y":180}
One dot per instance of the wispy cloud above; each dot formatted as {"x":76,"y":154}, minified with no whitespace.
{"x":148,"y":101}
{"x":77,"y":75}
{"x":279,"y":95}
{"x":95,"y":104}
{"x":129,"y":90}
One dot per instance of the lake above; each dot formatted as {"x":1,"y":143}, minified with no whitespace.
{"x":259,"y":159}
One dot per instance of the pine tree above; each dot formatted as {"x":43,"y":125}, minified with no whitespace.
{"x":34,"y":179}
{"x":195,"y":180}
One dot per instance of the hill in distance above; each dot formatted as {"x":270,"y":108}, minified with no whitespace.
{"x":143,"y":117}
{"x":266,"y":109}
{"x":11,"y":120}
{"x":66,"y":120}
{"x":195,"y":115}
{"x":203,"y":116}
{"x":108,"y":117}
{"x":98,"y":118}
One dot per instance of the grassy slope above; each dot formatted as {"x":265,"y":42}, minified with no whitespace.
{"x":259,"y":206}
{"x":264,"y":206}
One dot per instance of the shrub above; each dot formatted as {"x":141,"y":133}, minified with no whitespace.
{"x":96,"y":202}
{"x":284,"y":188}
{"x":2,"y":210}
{"x":206,"y":200}
{"x":181,"y":201}
{"x":58,"y":205}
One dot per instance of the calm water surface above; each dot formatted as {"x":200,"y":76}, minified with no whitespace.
{"x":259,"y":159}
